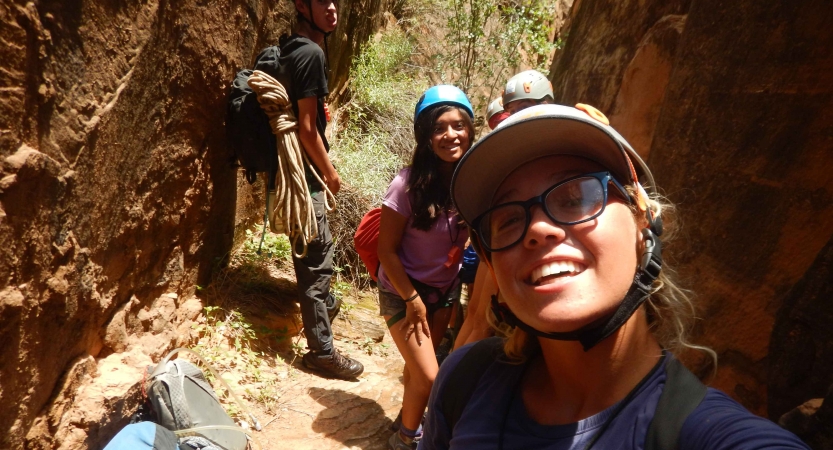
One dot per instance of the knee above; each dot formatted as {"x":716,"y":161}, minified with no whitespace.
{"x":422,"y":381}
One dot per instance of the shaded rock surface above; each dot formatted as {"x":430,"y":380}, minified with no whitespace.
{"x":812,"y":421}
{"x":116,"y":194}
{"x":801,"y":351}
{"x":732,"y":103}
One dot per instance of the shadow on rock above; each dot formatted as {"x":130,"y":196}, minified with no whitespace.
{"x":351,"y":419}
{"x":265,"y":299}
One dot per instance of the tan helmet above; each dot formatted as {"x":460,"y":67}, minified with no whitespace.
{"x":527,"y":85}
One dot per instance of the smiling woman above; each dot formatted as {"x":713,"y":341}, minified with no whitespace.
{"x":558,"y":206}
{"x":421,"y":240}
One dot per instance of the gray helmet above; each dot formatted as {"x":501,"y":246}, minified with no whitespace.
{"x":527,"y":85}
{"x":495,"y":107}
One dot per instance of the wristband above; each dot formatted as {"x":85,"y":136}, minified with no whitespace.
{"x":411,"y":298}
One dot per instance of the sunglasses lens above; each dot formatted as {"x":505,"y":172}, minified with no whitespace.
{"x":576,"y":200}
{"x":573,"y":201}
{"x":503,"y":226}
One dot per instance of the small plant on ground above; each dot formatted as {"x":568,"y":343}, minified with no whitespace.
{"x":275,"y":248}
{"x":371,"y":347}
{"x":229,"y":343}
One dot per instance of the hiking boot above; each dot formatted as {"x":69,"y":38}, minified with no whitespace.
{"x":396,"y":422}
{"x":396,"y":443}
{"x":334,"y":308}
{"x":336,"y":365}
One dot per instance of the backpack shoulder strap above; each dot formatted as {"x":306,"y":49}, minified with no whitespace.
{"x":269,"y":60}
{"x":681,"y":395}
{"x":465,"y":377}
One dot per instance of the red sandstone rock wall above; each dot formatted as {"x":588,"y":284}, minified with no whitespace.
{"x":116,"y":196}
{"x":732,"y":103}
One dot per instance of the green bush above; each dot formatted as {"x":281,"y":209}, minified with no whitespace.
{"x":476,"y":45}
{"x":373,"y":138}
{"x":380,"y":81}
{"x":488,"y":41}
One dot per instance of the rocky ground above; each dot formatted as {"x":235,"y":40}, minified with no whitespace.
{"x":298,"y":408}
{"x":315,"y":412}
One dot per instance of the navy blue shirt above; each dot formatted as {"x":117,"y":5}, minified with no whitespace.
{"x":718,"y":423}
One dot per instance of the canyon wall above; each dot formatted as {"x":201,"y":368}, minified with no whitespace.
{"x":116,"y":193}
{"x":732,"y":105}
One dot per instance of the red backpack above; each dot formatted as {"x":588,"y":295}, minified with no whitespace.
{"x":366,"y":241}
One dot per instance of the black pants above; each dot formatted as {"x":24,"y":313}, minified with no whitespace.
{"x":313,"y":273}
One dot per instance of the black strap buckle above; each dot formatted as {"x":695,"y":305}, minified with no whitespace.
{"x":651,"y":262}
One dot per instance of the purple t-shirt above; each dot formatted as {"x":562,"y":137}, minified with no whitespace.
{"x":424,"y":253}
{"x":718,"y":423}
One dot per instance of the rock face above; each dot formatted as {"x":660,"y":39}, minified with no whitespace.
{"x":811,"y":421}
{"x":801,"y":351}
{"x":732,"y":103}
{"x":603,"y":38}
{"x":116,"y":194}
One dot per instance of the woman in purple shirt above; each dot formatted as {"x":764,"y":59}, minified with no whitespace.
{"x":558,"y":203}
{"x":421,"y":240}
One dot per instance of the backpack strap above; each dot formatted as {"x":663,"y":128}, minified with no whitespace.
{"x":465,"y":377}
{"x":682,"y":393}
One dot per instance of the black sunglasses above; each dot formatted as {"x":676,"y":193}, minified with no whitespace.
{"x":569,"y":202}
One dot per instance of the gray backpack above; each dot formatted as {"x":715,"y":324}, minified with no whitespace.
{"x":184,"y":402}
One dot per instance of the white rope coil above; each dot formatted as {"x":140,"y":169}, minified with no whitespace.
{"x":289,"y":207}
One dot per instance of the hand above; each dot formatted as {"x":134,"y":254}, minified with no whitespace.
{"x":416,"y":316}
{"x":333,"y":183}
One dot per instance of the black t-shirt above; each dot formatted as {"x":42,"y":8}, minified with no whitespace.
{"x":304,"y":74}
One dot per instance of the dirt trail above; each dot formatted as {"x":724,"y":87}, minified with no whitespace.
{"x":314,"y":412}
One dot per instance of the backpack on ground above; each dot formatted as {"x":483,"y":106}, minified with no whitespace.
{"x":366,"y":241}
{"x":247,"y":126}
{"x":184,"y":402}
{"x":680,"y":396}
{"x":145,"y":436}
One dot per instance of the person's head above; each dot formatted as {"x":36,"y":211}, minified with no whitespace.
{"x":556,"y":202}
{"x":528,"y":88}
{"x":443,"y":130}
{"x":495,"y":114}
{"x":320,"y":15}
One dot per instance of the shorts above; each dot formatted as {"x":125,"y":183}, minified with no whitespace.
{"x":391,"y":304}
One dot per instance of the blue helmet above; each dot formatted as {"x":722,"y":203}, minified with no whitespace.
{"x":443,"y":94}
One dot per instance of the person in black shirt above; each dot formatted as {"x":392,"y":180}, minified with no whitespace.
{"x":304,"y":68}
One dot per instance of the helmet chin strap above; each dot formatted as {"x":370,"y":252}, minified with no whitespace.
{"x":590,"y":335}
{"x":311,"y":21}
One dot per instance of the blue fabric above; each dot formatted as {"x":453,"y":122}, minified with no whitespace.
{"x":137,"y":436}
{"x":722,"y":423}
{"x":470,"y":262}
{"x":719,"y":423}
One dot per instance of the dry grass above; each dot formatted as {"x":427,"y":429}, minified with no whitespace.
{"x":351,"y":207}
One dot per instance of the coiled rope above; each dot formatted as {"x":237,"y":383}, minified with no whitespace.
{"x":289,"y":207}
